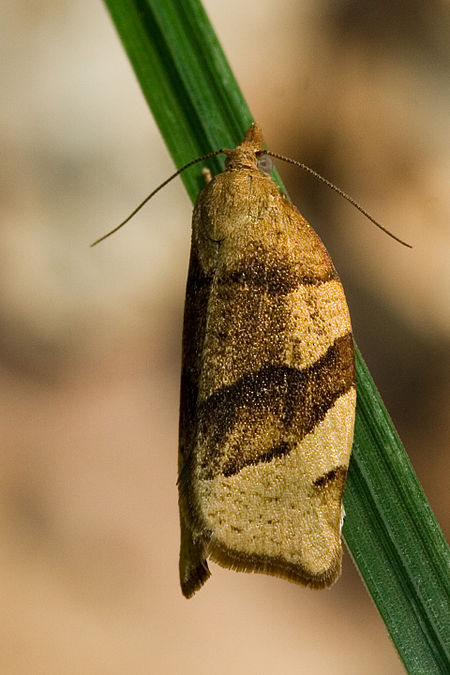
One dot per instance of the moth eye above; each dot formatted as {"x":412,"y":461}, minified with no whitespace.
{"x":265,"y":163}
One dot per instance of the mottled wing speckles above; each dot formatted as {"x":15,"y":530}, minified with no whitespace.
{"x":268,"y":386}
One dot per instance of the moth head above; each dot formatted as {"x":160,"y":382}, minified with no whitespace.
{"x":250,"y":153}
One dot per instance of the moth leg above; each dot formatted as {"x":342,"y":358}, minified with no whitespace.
{"x":207,"y":176}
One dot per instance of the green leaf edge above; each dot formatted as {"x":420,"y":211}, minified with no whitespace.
{"x":389,"y":528}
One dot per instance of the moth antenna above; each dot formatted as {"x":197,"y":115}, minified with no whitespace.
{"x":139,"y":207}
{"x":336,"y":189}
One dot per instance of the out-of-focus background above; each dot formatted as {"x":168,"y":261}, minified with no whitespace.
{"x":90,"y":339}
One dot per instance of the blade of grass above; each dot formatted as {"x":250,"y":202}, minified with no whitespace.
{"x":389,"y":528}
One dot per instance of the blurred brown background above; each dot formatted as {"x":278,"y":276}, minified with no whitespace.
{"x":90,"y":339}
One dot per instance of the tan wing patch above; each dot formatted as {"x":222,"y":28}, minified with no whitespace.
{"x":272,"y":515}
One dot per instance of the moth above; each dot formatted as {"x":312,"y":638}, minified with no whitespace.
{"x":268,"y":385}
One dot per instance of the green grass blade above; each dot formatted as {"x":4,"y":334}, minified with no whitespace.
{"x":389,"y":528}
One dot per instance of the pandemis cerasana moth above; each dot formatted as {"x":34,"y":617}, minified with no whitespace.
{"x":268,"y":383}
{"x":268,"y":386}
